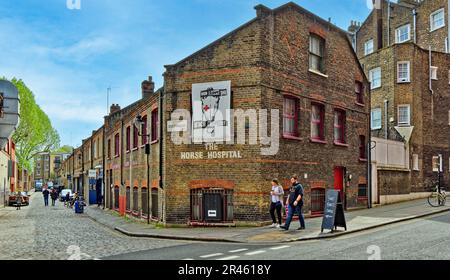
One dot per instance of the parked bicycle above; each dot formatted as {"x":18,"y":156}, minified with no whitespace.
{"x":437,"y":198}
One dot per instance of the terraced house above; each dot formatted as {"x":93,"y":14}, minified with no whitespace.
{"x":300,"y":70}
{"x":403,"y":48}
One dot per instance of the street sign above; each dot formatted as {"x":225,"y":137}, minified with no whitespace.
{"x":333,"y":215}
{"x":92,"y":173}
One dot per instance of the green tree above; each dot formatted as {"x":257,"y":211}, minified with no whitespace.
{"x":64,"y":149}
{"x":35,"y":132}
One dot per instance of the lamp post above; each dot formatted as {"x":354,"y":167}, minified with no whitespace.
{"x":138,"y":123}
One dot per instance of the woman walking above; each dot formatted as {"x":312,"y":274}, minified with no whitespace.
{"x":18,"y":201}
{"x":276,"y":203}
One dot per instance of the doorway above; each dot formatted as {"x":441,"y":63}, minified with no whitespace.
{"x":339,"y":182}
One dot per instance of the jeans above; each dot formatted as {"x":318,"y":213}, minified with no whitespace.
{"x":277,"y":207}
{"x":291,"y":211}
{"x":46,"y":201}
{"x":53,"y":202}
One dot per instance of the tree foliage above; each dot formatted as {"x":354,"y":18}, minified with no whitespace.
{"x":35,"y":132}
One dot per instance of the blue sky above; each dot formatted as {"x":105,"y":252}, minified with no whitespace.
{"x":70,"y":57}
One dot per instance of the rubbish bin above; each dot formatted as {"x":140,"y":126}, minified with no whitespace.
{"x":79,"y":207}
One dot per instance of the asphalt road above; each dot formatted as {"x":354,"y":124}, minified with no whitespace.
{"x":422,"y":239}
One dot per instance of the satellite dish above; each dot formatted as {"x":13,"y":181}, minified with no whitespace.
{"x":9,"y":111}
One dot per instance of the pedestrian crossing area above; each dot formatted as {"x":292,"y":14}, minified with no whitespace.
{"x":237,"y":253}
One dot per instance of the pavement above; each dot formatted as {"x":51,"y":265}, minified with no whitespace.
{"x":357,"y":221}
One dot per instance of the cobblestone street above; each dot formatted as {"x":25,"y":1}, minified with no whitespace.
{"x":41,"y":233}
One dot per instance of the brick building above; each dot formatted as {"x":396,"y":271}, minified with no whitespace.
{"x":403,"y":49}
{"x":285,"y":59}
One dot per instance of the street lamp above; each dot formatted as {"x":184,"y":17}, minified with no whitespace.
{"x":138,"y":123}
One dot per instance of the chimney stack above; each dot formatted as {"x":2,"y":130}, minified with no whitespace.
{"x":148,"y":87}
{"x":114,"y":108}
{"x":354,"y":26}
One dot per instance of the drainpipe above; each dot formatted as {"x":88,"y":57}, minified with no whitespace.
{"x":389,"y":23}
{"x":430,"y":64}
{"x":448,"y":24}
{"x":386,"y":121}
{"x":415,"y":25}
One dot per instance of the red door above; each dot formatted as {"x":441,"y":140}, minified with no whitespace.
{"x":339,"y":180}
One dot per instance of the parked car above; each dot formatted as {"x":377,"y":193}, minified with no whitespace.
{"x":25,"y":199}
{"x":63,"y":194}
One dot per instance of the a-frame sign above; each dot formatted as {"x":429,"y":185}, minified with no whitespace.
{"x":333,"y":216}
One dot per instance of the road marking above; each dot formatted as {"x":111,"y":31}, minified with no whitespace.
{"x":228,"y":258}
{"x":255,"y":253}
{"x":280,"y":247}
{"x":187,"y":259}
{"x":210,"y":256}
{"x":238,"y":250}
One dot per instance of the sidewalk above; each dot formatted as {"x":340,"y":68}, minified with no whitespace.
{"x":356,"y":221}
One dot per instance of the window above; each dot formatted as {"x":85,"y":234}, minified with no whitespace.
{"x":109,"y":148}
{"x":95,"y":149}
{"x":98,"y":149}
{"x":128,"y":139}
{"x":317,"y":122}
{"x":362,"y":147}
{"x":437,"y":20}
{"x":339,"y":126}
{"x":433,"y":72}
{"x":415,"y":162}
{"x":446,"y":45}
{"x":144,"y":131}
{"x":128,"y":199}
{"x":316,"y":53}
{"x":290,"y":117}
{"x":362,"y":191}
{"x":403,"y":34}
{"x":135,"y":199}
{"x":144,"y":201}
{"x":155,"y":125}
{"x":448,"y":117}
{"x":135,"y":137}
{"x":404,"y":116}
{"x":403,"y":72}
{"x":375,"y":78}
{"x":359,"y":91}
{"x":368,"y":47}
{"x":376,"y":119}
{"x":436,"y":164}
{"x":116,"y":145}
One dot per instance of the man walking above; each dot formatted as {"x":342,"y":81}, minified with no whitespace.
{"x":295,"y":203}
{"x":45,"y":193}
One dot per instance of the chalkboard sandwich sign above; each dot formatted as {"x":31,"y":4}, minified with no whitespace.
{"x":333,"y":216}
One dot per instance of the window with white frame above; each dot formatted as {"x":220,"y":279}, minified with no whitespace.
{"x":446,"y":45}
{"x":403,"y":34}
{"x":433,"y":72}
{"x":375,"y":120}
{"x":404,"y":115}
{"x":448,"y":117}
{"x":375,"y":78}
{"x":437,"y":164}
{"x":368,"y":47}
{"x":449,"y":77}
{"x":403,"y":72}
{"x":415,"y":162}
{"x":437,"y":20}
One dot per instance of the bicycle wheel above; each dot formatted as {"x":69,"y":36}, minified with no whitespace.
{"x":433,"y":200}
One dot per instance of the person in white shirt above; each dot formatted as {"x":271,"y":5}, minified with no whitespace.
{"x":276,"y":202}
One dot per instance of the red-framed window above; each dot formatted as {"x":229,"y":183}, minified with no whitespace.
{"x":135,"y":137}
{"x":339,"y":126}
{"x":359,"y":91}
{"x":362,"y":147}
{"x":109,"y":148}
{"x":128,"y":135}
{"x":318,"y":122}
{"x":117,"y":145}
{"x":290,"y":116}
{"x":155,"y":125}
{"x":144,"y":131}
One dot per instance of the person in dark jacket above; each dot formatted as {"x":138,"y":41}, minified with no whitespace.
{"x":18,"y":200}
{"x":295,"y":204}
{"x":45,"y":193}
{"x":54,"y":196}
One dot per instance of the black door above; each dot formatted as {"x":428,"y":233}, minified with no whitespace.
{"x":213,"y":207}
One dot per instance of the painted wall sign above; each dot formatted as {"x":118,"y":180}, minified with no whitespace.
{"x":211,"y":104}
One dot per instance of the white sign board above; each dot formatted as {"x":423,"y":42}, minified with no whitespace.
{"x":92,"y":174}
{"x":212,"y":213}
{"x":211,"y":104}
